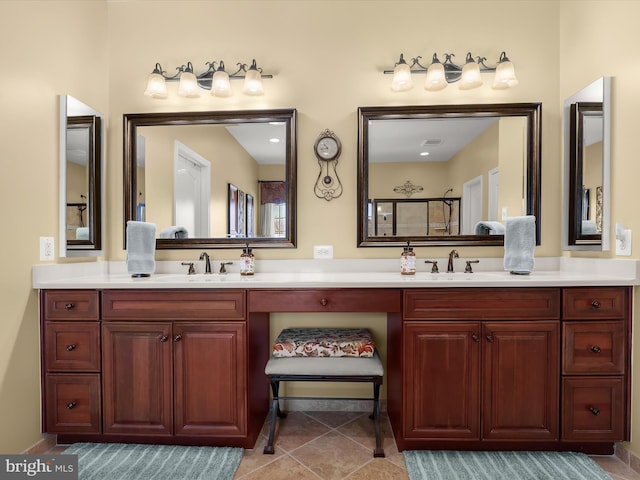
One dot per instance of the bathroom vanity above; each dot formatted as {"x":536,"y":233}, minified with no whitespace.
{"x":541,"y":362}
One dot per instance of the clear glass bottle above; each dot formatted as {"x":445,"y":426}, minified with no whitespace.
{"x":408,"y":261}
{"x":247,"y":262}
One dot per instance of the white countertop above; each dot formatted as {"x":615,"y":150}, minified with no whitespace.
{"x":557,"y":272}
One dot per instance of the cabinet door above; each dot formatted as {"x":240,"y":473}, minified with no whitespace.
{"x":210,"y":378}
{"x":520,"y":380}
{"x":441,"y":380}
{"x":136,"y":377}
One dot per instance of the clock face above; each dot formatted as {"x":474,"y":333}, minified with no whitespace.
{"x":327,"y":148}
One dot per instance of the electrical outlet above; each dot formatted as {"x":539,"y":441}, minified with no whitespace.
{"x":504,"y":213}
{"x":47,"y":249}
{"x":623,"y":242}
{"x":324,"y":252}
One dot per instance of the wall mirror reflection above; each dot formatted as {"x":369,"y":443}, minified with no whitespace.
{"x":81,"y":179}
{"x":446,"y":174}
{"x":213,"y":179}
{"x":587,"y":162}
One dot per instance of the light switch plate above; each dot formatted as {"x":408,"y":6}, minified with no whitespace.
{"x":323,"y":252}
{"x":47,"y":249}
{"x":623,"y":246}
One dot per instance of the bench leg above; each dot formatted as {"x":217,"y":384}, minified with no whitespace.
{"x":379,"y":451}
{"x":275,"y":414}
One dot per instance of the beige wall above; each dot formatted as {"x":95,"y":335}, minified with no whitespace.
{"x":327,"y":58}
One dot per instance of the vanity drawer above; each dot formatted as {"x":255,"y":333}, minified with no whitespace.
{"x":71,"y":305}
{"x":73,"y":403}
{"x":593,"y":409}
{"x":173,"y":305}
{"x":325,"y":300}
{"x":72,"y":346}
{"x":482,"y":303}
{"x":594,"y":303}
{"x":593,"y":348}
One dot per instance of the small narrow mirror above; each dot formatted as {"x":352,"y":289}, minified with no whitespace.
{"x":81,"y":189}
{"x":587,"y":166}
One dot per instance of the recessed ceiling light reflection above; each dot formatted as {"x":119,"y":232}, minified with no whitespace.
{"x":424,"y":154}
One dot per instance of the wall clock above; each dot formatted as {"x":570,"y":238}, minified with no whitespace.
{"x":327,"y":149}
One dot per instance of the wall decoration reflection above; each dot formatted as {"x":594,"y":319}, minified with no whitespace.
{"x":232,"y":209}
{"x":250,"y":216}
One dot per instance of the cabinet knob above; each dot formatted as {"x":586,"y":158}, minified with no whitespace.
{"x":71,"y":347}
{"x":475,"y":338}
{"x":69,"y":306}
{"x":324,"y":302}
{"x":595,"y":411}
{"x":177,"y":338}
{"x":595,"y":304}
{"x":71,"y":405}
{"x":490,"y":338}
{"x":596,"y":349}
{"x":164,"y":338}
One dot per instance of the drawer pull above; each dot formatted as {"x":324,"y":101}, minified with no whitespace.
{"x":475,"y":338}
{"x":595,"y":411}
{"x":71,"y":405}
{"x":69,"y":306}
{"x":71,"y":346}
{"x":490,"y":338}
{"x":324,"y":302}
{"x":596,"y":349}
{"x":164,"y":338}
{"x":177,"y":338}
{"x":595,"y":304}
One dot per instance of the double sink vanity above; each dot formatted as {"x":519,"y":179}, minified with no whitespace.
{"x":486,"y":360}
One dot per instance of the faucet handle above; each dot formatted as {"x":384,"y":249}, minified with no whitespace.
{"x":192,"y":270}
{"x":468,"y":268}
{"x":222,"y":266}
{"x":434,"y":268}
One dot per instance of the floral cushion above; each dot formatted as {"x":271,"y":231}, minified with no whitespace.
{"x":324,"y":342}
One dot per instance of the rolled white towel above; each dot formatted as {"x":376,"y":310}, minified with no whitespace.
{"x":519,"y":244}
{"x":488,"y":227}
{"x":589,"y":227}
{"x":174,"y":232}
{"x":141,"y":248}
{"x":82,"y":233}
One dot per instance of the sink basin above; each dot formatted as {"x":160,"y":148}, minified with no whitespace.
{"x":183,"y":277}
{"x":462,"y":277}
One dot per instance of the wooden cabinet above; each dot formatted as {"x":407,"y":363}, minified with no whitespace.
{"x":486,"y":368}
{"x":173,"y":366}
{"x":71,"y":361}
{"x":481,"y":380}
{"x":596,"y":364}
{"x":174,"y":378}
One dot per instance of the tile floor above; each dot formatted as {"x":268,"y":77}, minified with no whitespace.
{"x":339,"y":445}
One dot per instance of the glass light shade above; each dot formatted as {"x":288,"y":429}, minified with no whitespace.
{"x":470,"y":76}
{"x":436,"y":79}
{"x":505,"y":76}
{"x":401,"y":78}
{"x":188,"y":85}
{"x":253,"y":83}
{"x":156,"y":86}
{"x":220,"y":84}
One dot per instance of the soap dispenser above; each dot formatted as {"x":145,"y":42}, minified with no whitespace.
{"x":408,"y":261}
{"x":247,"y":262}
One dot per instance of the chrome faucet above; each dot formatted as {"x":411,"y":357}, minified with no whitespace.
{"x":452,"y":254}
{"x":207,"y":262}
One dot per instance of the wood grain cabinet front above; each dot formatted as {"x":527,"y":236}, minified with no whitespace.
{"x":72,"y":403}
{"x":596,"y":364}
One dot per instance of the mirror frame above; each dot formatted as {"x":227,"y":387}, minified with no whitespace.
{"x":598,"y":91}
{"x":531,"y":111}
{"x":133,"y":121}
{"x":96,"y":179}
{"x":579,"y":110}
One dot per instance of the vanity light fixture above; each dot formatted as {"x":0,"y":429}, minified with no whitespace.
{"x":440,"y":74}
{"x":215,"y":79}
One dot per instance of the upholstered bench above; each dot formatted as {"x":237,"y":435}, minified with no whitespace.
{"x":324,"y":355}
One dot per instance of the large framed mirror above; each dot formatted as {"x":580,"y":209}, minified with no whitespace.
{"x":586,"y":121}
{"x":81,"y":179}
{"x":218,"y":179}
{"x":446,"y":174}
